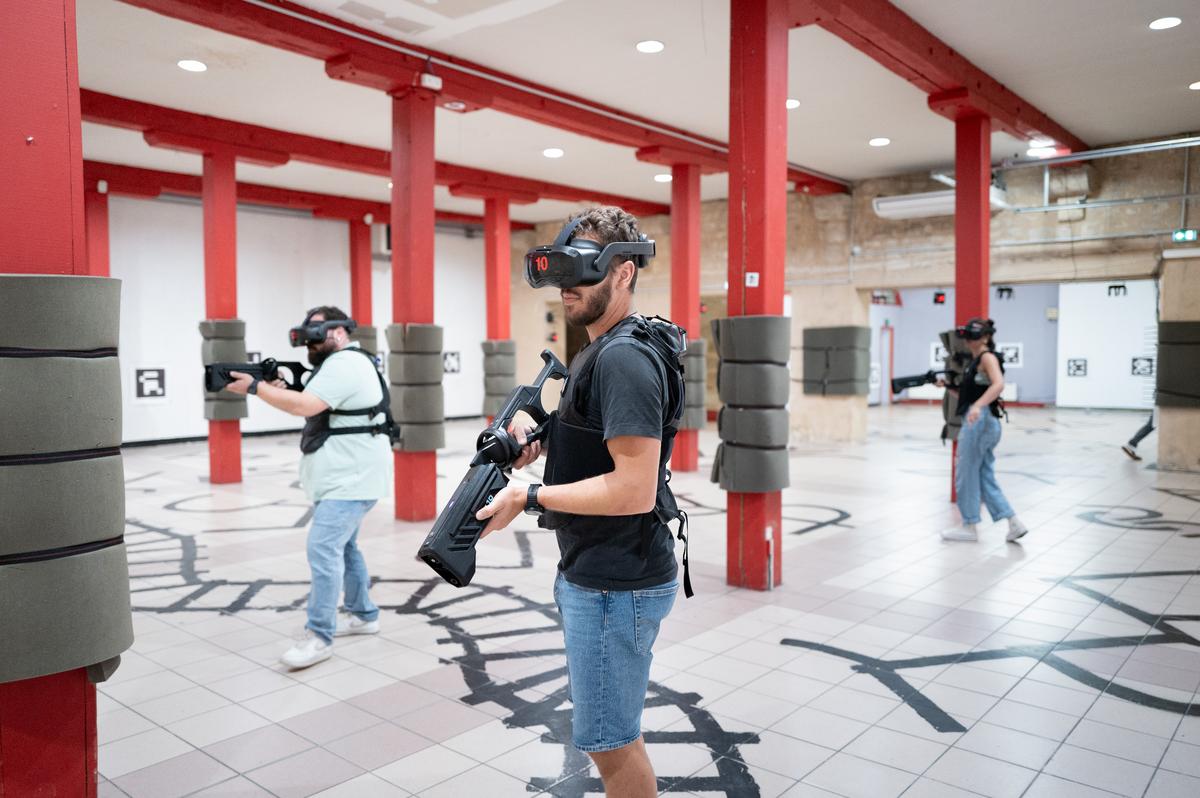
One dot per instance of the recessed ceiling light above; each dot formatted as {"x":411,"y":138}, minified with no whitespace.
{"x":389,"y":184}
{"x":663,"y":178}
{"x":1162,"y":23}
{"x":880,"y":142}
{"x":792,"y":104}
{"x":455,"y":105}
{"x":1041,"y":143}
{"x":1195,"y":86}
{"x":650,"y":46}
{"x":553,"y":152}
{"x":1041,"y":152}
{"x":191,"y":65}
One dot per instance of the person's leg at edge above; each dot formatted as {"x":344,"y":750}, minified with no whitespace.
{"x":993,"y":497}
{"x":1131,"y":447}
{"x":357,"y":578}
{"x":627,"y":772}
{"x":967,"y":479}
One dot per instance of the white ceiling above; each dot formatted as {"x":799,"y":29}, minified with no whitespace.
{"x":1090,"y":64}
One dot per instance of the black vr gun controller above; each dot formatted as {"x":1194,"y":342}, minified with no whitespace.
{"x":901,"y":383}
{"x":217,"y":375}
{"x":449,"y":548}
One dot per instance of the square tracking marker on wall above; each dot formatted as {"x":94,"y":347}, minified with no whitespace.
{"x":1077,"y":367}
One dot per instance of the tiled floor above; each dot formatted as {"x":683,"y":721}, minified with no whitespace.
{"x":889,"y":663}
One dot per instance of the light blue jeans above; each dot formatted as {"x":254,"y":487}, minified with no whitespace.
{"x":975,"y":477}
{"x":334,"y":558}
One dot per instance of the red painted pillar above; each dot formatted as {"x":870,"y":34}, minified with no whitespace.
{"x":412,"y":269}
{"x":95,"y":206}
{"x":972,"y":215}
{"x":758,"y":63}
{"x":48,"y":724}
{"x":498,"y":265}
{"x":360,"y":271}
{"x":685,"y":284}
{"x":219,"y":198}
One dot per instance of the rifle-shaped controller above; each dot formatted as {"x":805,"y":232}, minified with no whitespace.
{"x":217,"y":375}
{"x":902,"y":383}
{"x":449,"y":548}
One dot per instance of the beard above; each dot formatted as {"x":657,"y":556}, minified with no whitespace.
{"x":592,"y":308}
{"x":318,"y":354}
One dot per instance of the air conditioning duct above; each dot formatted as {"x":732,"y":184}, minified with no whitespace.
{"x":927,"y":204}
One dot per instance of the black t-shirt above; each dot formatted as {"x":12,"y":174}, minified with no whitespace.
{"x":628,"y":395}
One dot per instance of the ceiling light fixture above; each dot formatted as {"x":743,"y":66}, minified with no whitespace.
{"x":389,"y":184}
{"x":455,"y":105}
{"x":1041,"y":152}
{"x":650,"y":46}
{"x":191,"y":65}
{"x":1195,"y":86}
{"x":880,"y":141}
{"x":663,"y":178}
{"x":1163,"y":23}
{"x":792,"y":104}
{"x":553,"y":152}
{"x":1041,"y":143}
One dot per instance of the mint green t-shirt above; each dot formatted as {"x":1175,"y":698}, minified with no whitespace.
{"x":348,"y":466}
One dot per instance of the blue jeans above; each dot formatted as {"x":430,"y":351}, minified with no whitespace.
{"x":334,"y":558}
{"x":609,"y":634}
{"x":976,"y":473}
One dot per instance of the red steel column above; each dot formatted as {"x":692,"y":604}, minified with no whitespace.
{"x":48,"y":724}
{"x":219,"y":198}
{"x":360,"y":271}
{"x":972,"y":215}
{"x":412,"y":269}
{"x":497,"y":250}
{"x":685,"y":284}
{"x":758,"y":61}
{"x":95,"y":206}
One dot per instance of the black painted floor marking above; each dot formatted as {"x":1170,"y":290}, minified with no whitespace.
{"x":1140,"y":518}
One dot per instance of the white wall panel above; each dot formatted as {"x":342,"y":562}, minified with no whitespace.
{"x":1103,"y":333}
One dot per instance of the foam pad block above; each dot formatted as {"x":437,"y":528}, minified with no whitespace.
{"x":753,"y":339}
{"x":51,"y":311}
{"x":414,"y":338}
{"x":505,"y":347}
{"x":58,"y":615}
{"x":500,"y":364}
{"x":753,"y":427}
{"x":222,"y":328}
{"x":420,"y":404}
{"x":226,"y":411}
{"x":742,"y":469}
{"x":223,"y":350}
{"x":1178,"y":378}
{"x":59,"y":404}
{"x":38,"y":514}
{"x":1179,"y":332}
{"x":422,"y":437}
{"x":753,"y":384}
{"x":367,"y":337}
{"x":499,"y":384}
{"x":837,"y":338}
{"x":694,"y":394}
{"x":493,"y":403}
{"x":423,"y":368}
{"x":694,"y":418}
{"x":836,"y":365}
{"x":696,"y":347}
{"x":222,"y":396}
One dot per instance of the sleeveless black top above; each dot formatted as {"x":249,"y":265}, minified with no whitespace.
{"x":975,"y":384}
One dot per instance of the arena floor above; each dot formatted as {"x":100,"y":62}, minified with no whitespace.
{"x":889,"y":663}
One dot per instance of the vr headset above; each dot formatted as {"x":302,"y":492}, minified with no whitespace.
{"x":315,"y":332}
{"x":976,"y":329}
{"x":570,"y":262}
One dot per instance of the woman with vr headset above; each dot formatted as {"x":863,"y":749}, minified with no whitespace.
{"x":979,"y":403}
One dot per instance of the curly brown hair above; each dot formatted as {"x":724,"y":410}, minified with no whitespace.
{"x":606,"y":224}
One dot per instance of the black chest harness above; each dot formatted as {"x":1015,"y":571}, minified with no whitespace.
{"x":975,"y":384}
{"x":577,"y":450}
{"x":317,"y":430}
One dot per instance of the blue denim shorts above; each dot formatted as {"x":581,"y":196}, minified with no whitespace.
{"x":609,"y":634}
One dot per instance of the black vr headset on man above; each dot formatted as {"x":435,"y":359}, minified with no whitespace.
{"x":570,"y":262}
{"x":976,"y":329}
{"x":315,"y":332}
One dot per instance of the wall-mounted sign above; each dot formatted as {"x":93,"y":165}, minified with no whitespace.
{"x":150,"y":383}
{"x":1142,"y":367}
{"x":876,"y":377}
{"x":254,"y":357}
{"x":451,"y":362}
{"x":1077,"y":367}
{"x":1013,"y":354}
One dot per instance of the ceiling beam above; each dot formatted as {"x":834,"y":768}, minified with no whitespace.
{"x":955,"y":85}
{"x":366,"y":58}
{"x":135,"y":181}
{"x":107,"y":109}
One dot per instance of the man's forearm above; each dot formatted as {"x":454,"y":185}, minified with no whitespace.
{"x":292,"y":402}
{"x":602,"y":495}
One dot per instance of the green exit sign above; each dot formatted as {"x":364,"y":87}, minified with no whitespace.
{"x":1184,"y":236}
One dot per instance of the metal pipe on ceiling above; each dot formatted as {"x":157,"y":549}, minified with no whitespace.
{"x":1105,"y":152}
{"x":1071,"y":206}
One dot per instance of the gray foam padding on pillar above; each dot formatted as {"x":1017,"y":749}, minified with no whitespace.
{"x":367,"y":337}
{"x":52,"y":311}
{"x":62,"y":614}
{"x":765,"y":427}
{"x":742,"y":469}
{"x":223,"y":396}
{"x":500,"y":384}
{"x":753,"y":339}
{"x":694,"y":394}
{"x":753,"y":384}
{"x":1178,"y":377}
{"x":493,"y":403}
{"x":696,"y":347}
{"x":500,"y":347}
{"x":414,"y":338}
{"x":417,"y":368}
{"x":846,"y":337}
{"x":500,"y":364}
{"x":59,"y":404}
{"x":226,"y":411}
{"x":422,"y":437}
{"x":37,"y":515}
{"x":223,"y":328}
{"x":694,"y":418}
{"x":420,"y":404}
{"x":223,"y":350}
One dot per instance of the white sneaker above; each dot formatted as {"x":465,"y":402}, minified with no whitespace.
{"x":307,"y":652}
{"x":966,"y":532}
{"x":1016,"y":530}
{"x":353,"y":625}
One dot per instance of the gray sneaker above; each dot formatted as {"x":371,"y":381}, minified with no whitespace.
{"x":967,"y":532}
{"x":1016,"y":530}
{"x":353,"y":625}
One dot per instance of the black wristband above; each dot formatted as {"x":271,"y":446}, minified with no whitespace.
{"x":253,"y":389}
{"x":532,"y":507}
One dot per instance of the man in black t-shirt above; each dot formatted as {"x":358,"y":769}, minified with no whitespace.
{"x":605,"y":493}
